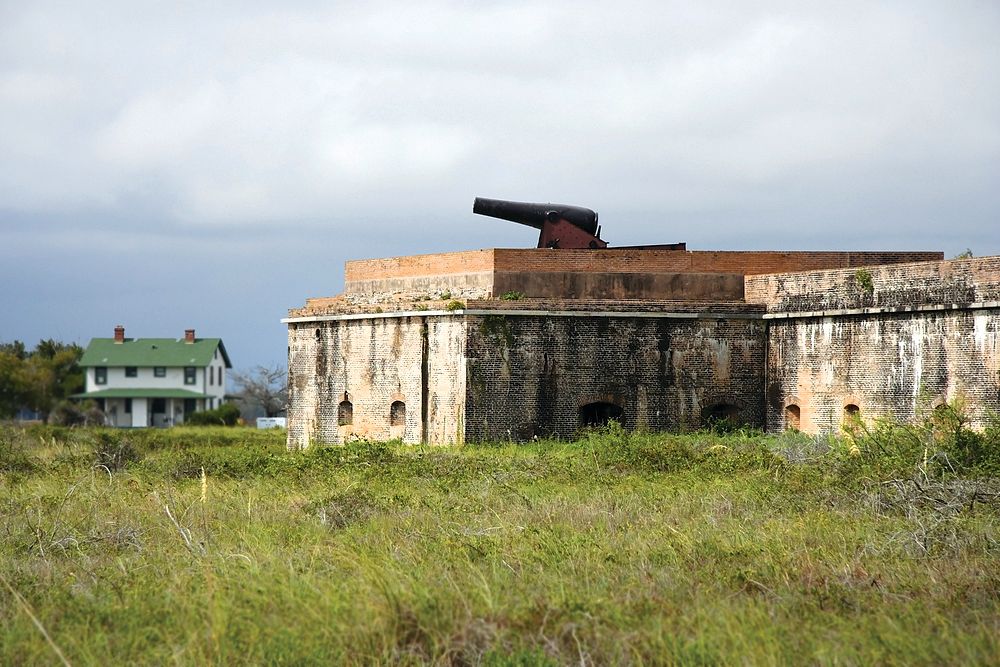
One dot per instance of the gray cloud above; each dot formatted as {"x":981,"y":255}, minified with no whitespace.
{"x":238,"y":139}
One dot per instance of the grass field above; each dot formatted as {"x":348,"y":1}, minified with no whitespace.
{"x":881,"y":548}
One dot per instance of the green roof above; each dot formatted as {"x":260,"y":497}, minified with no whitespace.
{"x":146,"y":352}
{"x":141,"y":393}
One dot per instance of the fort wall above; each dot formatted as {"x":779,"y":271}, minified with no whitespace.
{"x":536,"y":374}
{"x":894,"y":341}
{"x":609,"y":273}
{"x":895,"y":365}
{"x":656,"y":338}
{"x":954,"y":282}
{"x":377,"y":378}
{"x":617,"y":260}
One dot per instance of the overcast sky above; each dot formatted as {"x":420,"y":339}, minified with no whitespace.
{"x":171,"y":165}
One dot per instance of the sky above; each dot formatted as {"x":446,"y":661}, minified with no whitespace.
{"x":174,"y":165}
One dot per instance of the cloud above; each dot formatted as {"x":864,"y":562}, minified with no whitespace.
{"x":256,"y":129}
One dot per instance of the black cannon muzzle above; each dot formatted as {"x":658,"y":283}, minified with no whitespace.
{"x":535,"y":215}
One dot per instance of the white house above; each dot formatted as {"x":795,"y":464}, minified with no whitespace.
{"x":154,"y":381}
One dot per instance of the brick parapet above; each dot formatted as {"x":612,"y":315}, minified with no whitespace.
{"x":953,"y":282}
{"x":615,"y":260}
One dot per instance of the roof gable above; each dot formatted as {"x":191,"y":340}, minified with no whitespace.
{"x":148,"y":352}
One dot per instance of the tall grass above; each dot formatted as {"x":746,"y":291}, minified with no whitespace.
{"x":619,"y":548}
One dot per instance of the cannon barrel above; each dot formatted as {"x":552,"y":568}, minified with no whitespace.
{"x":535,"y":215}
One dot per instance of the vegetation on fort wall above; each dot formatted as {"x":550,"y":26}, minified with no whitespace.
{"x":218,"y":546}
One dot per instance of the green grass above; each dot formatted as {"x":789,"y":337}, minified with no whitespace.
{"x":617,"y":548}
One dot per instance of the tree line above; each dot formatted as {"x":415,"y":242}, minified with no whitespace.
{"x":39,"y":379}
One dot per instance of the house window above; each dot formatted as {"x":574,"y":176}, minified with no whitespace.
{"x":128,"y":405}
{"x":189,"y":374}
{"x":600,"y":413}
{"x":100,"y":375}
{"x":131,"y":372}
{"x":793,"y":416}
{"x":220,"y":376}
{"x":345,"y":413}
{"x":397,"y":413}
{"x":160,"y":371}
{"x":211,"y":375}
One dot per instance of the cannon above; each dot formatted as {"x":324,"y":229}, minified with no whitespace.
{"x":561,"y":226}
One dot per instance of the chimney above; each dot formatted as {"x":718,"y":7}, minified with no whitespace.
{"x":189,"y":335}
{"x":119,"y":334}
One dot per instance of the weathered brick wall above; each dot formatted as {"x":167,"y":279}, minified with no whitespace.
{"x":605,"y":285}
{"x":373,"y":362}
{"x":948,"y":282}
{"x":530,"y":374}
{"x":470,"y":261}
{"x":455,"y":285}
{"x":614,"y":260}
{"x":693,"y":308}
{"x":474,"y":272}
{"x":889,"y":365}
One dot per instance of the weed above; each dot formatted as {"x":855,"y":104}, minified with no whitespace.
{"x":864,"y":282}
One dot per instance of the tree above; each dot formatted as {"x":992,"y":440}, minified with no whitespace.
{"x":13,"y":389}
{"x":38,"y":380}
{"x":262,"y":389}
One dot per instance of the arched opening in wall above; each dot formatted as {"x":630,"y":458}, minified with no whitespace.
{"x":721,"y":416}
{"x":397,"y":413}
{"x":600,"y":413}
{"x":852,"y":412}
{"x":345,"y":413}
{"x":793,"y":417}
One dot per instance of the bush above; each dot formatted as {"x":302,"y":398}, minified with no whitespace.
{"x":113,"y":450}
{"x":225,"y":415}
{"x":68,"y":413}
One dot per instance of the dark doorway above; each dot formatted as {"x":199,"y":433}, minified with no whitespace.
{"x":599,"y":413}
{"x":397,"y":413}
{"x":345,"y":413}
{"x":721,"y":416}
{"x":793,"y":417}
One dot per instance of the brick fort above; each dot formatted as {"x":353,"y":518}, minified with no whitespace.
{"x":516,"y":343}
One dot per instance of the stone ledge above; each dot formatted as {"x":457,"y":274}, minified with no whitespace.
{"x":979,"y":305}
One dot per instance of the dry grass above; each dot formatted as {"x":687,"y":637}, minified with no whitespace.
{"x":616,"y":549}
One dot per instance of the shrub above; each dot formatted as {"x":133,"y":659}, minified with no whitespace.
{"x":226,"y":414}
{"x":68,"y":413}
{"x":113,"y":450}
{"x":513,"y":295}
{"x":454,"y":305}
